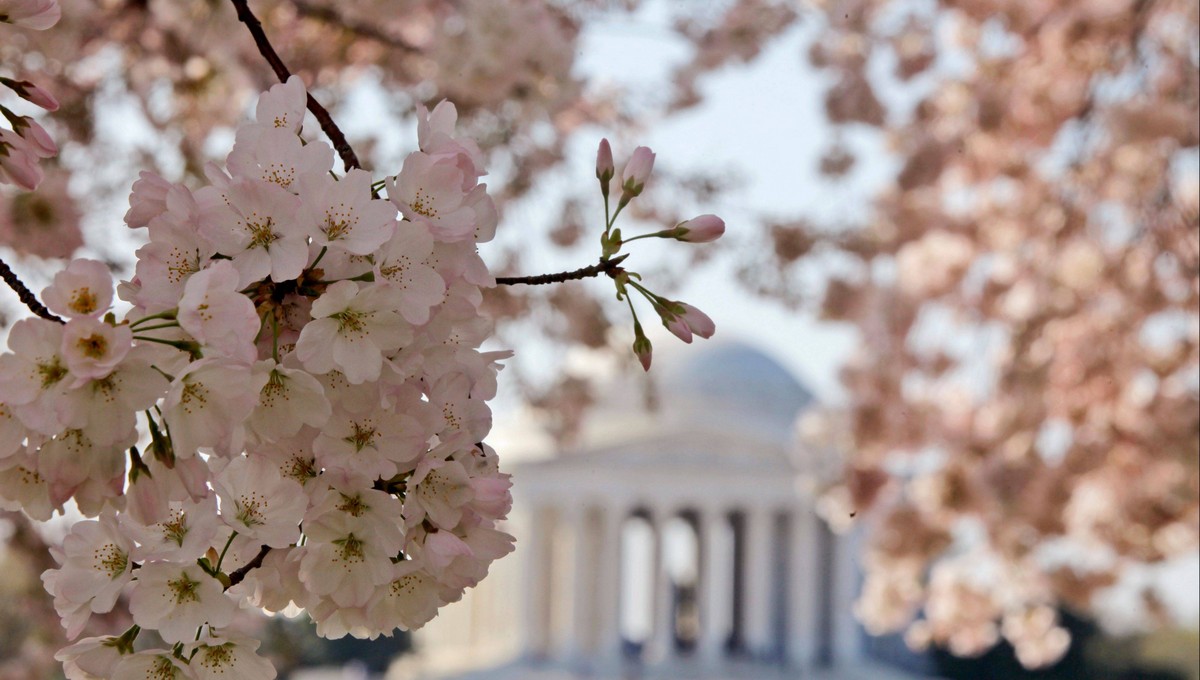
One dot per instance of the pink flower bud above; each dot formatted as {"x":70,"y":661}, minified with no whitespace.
{"x":698,"y":321}
{"x":18,"y":165}
{"x":36,"y":14}
{"x":685,"y":321}
{"x":674,"y":323}
{"x":643,"y":349}
{"x":604,"y":163}
{"x":39,"y":140}
{"x":702,"y":229}
{"x":636,"y":172}
{"x":32,"y":93}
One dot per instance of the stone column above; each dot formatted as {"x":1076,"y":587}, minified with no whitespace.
{"x":576,"y":632}
{"x":757,"y":586}
{"x":847,"y":639}
{"x":804,"y":589}
{"x":662,"y":636}
{"x":608,"y":615}
{"x":535,"y":609}
{"x":716,"y":585}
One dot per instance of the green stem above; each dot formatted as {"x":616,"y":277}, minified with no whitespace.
{"x":169,"y":314}
{"x":632,"y":311}
{"x":274,"y":337}
{"x":607,"y":216}
{"x":221,"y":557}
{"x":654,"y":299}
{"x":262,"y":324}
{"x":173,"y":324}
{"x":319,"y":256}
{"x":657,"y":234}
{"x":182,"y":345}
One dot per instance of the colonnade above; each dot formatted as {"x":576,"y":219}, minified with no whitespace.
{"x":771,"y":585}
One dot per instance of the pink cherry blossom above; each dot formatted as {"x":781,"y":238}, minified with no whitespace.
{"x":92,"y":349}
{"x":431,"y":190}
{"x":277,"y":156}
{"x":228,"y":656}
{"x":343,"y":562}
{"x":23,"y":488}
{"x":343,"y":214}
{"x":34,"y":377}
{"x":213,"y":311}
{"x":290,"y":399}
{"x":283,"y":106}
{"x":408,"y":601}
{"x":402,"y":266}
{"x":95,"y":563}
{"x":254,"y":223}
{"x":160,"y":664}
{"x":259,"y":503}
{"x":90,"y":658}
{"x":83,"y":289}
{"x":147,"y":200}
{"x":176,"y":599}
{"x":207,"y":404}
{"x":350,"y":331}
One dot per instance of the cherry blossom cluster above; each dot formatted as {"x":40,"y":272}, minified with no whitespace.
{"x":683,"y":320}
{"x":23,"y":146}
{"x":291,"y":415}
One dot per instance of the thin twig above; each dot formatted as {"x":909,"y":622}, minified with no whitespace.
{"x":26,"y":295}
{"x":328,"y":15}
{"x":349,"y":159}
{"x":239,"y":575}
{"x":608,"y":267}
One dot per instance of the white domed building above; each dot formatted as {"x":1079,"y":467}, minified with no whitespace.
{"x":676,"y":540}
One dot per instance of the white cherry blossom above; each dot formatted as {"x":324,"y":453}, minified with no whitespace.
{"x":258,"y":503}
{"x":350,"y":331}
{"x":83,"y":289}
{"x":343,"y":215}
{"x":228,"y":656}
{"x":217,"y":315}
{"x":176,"y":599}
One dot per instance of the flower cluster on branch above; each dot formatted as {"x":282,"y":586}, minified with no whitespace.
{"x":304,"y":355}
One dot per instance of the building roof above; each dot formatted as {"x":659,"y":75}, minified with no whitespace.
{"x":714,"y":405}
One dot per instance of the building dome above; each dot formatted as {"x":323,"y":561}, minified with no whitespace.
{"x":724,"y":391}
{"x":734,"y":381}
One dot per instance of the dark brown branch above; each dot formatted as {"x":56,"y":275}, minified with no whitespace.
{"x":26,"y":295}
{"x":328,"y":15}
{"x":239,"y":575}
{"x":609,"y":267}
{"x":349,"y":159}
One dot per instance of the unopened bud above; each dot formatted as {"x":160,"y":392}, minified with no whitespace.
{"x":39,"y":140}
{"x":642,"y":347}
{"x":636,"y":172}
{"x":32,"y":93}
{"x":702,"y":229}
{"x":604,"y":166}
{"x":18,"y":163}
{"x":700,"y":323}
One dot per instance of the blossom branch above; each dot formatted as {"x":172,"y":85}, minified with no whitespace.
{"x":608,"y":267}
{"x":239,"y":574}
{"x":23,"y":292}
{"x":349,"y":158}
